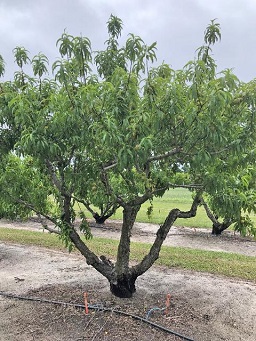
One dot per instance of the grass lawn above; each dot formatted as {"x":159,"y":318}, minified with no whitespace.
{"x":176,"y":198}
{"x":221,"y":263}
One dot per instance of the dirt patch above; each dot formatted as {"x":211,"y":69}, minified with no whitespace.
{"x":203,"y":307}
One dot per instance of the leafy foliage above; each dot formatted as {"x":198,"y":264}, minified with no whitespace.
{"x":21,"y":182}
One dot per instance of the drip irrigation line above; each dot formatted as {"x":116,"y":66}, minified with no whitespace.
{"x":98,"y":307}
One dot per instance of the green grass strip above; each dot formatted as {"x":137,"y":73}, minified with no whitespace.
{"x":221,"y":263}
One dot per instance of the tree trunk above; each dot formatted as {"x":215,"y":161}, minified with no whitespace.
{"x":125,"y":277}
{"x":124,"y":283}
{"x":218,"y":228}
{"x":100,"y":219}
{"x":124,"y":286}
{"x":66,"y":214}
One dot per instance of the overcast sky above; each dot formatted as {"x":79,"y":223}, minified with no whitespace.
{"x":176,"y":25}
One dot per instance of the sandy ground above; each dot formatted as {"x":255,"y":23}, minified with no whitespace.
{"x":203,"y":307}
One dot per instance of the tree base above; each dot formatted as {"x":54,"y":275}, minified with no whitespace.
{"x":100,"y":219}
{"x":124,"y":288}
{"x":217,"y":229}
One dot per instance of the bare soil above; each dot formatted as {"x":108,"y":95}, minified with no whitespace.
{"x":202,"y":306}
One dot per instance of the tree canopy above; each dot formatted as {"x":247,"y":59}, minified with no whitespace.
{"x":111,"y":129}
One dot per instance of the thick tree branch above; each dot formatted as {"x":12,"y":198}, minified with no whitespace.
{"x":161,"y":234}
{"x":105,"y":267}
{"x":209,"y":213}
{"x":106,"y":183}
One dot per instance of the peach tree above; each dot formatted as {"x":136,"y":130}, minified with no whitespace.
{"x":111,"y":129}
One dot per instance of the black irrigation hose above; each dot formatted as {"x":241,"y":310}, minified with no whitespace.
{"x":99,"y":308}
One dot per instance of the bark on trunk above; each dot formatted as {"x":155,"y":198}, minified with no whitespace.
{"x":66,"y":214}
{"x":123,"y":254}
{"x":124,"y":283}
{"x":124,"y":286}
{"x":218,"y":228}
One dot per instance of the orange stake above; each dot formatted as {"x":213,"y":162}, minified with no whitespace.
{"x":86,"y":303}
{"x":167,"y":304}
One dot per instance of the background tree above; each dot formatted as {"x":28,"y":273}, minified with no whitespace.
{"x":120,"y":137}
{"x":234,"y":203}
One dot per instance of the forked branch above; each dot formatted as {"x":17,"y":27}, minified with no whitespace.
{"x":161,"y":234}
